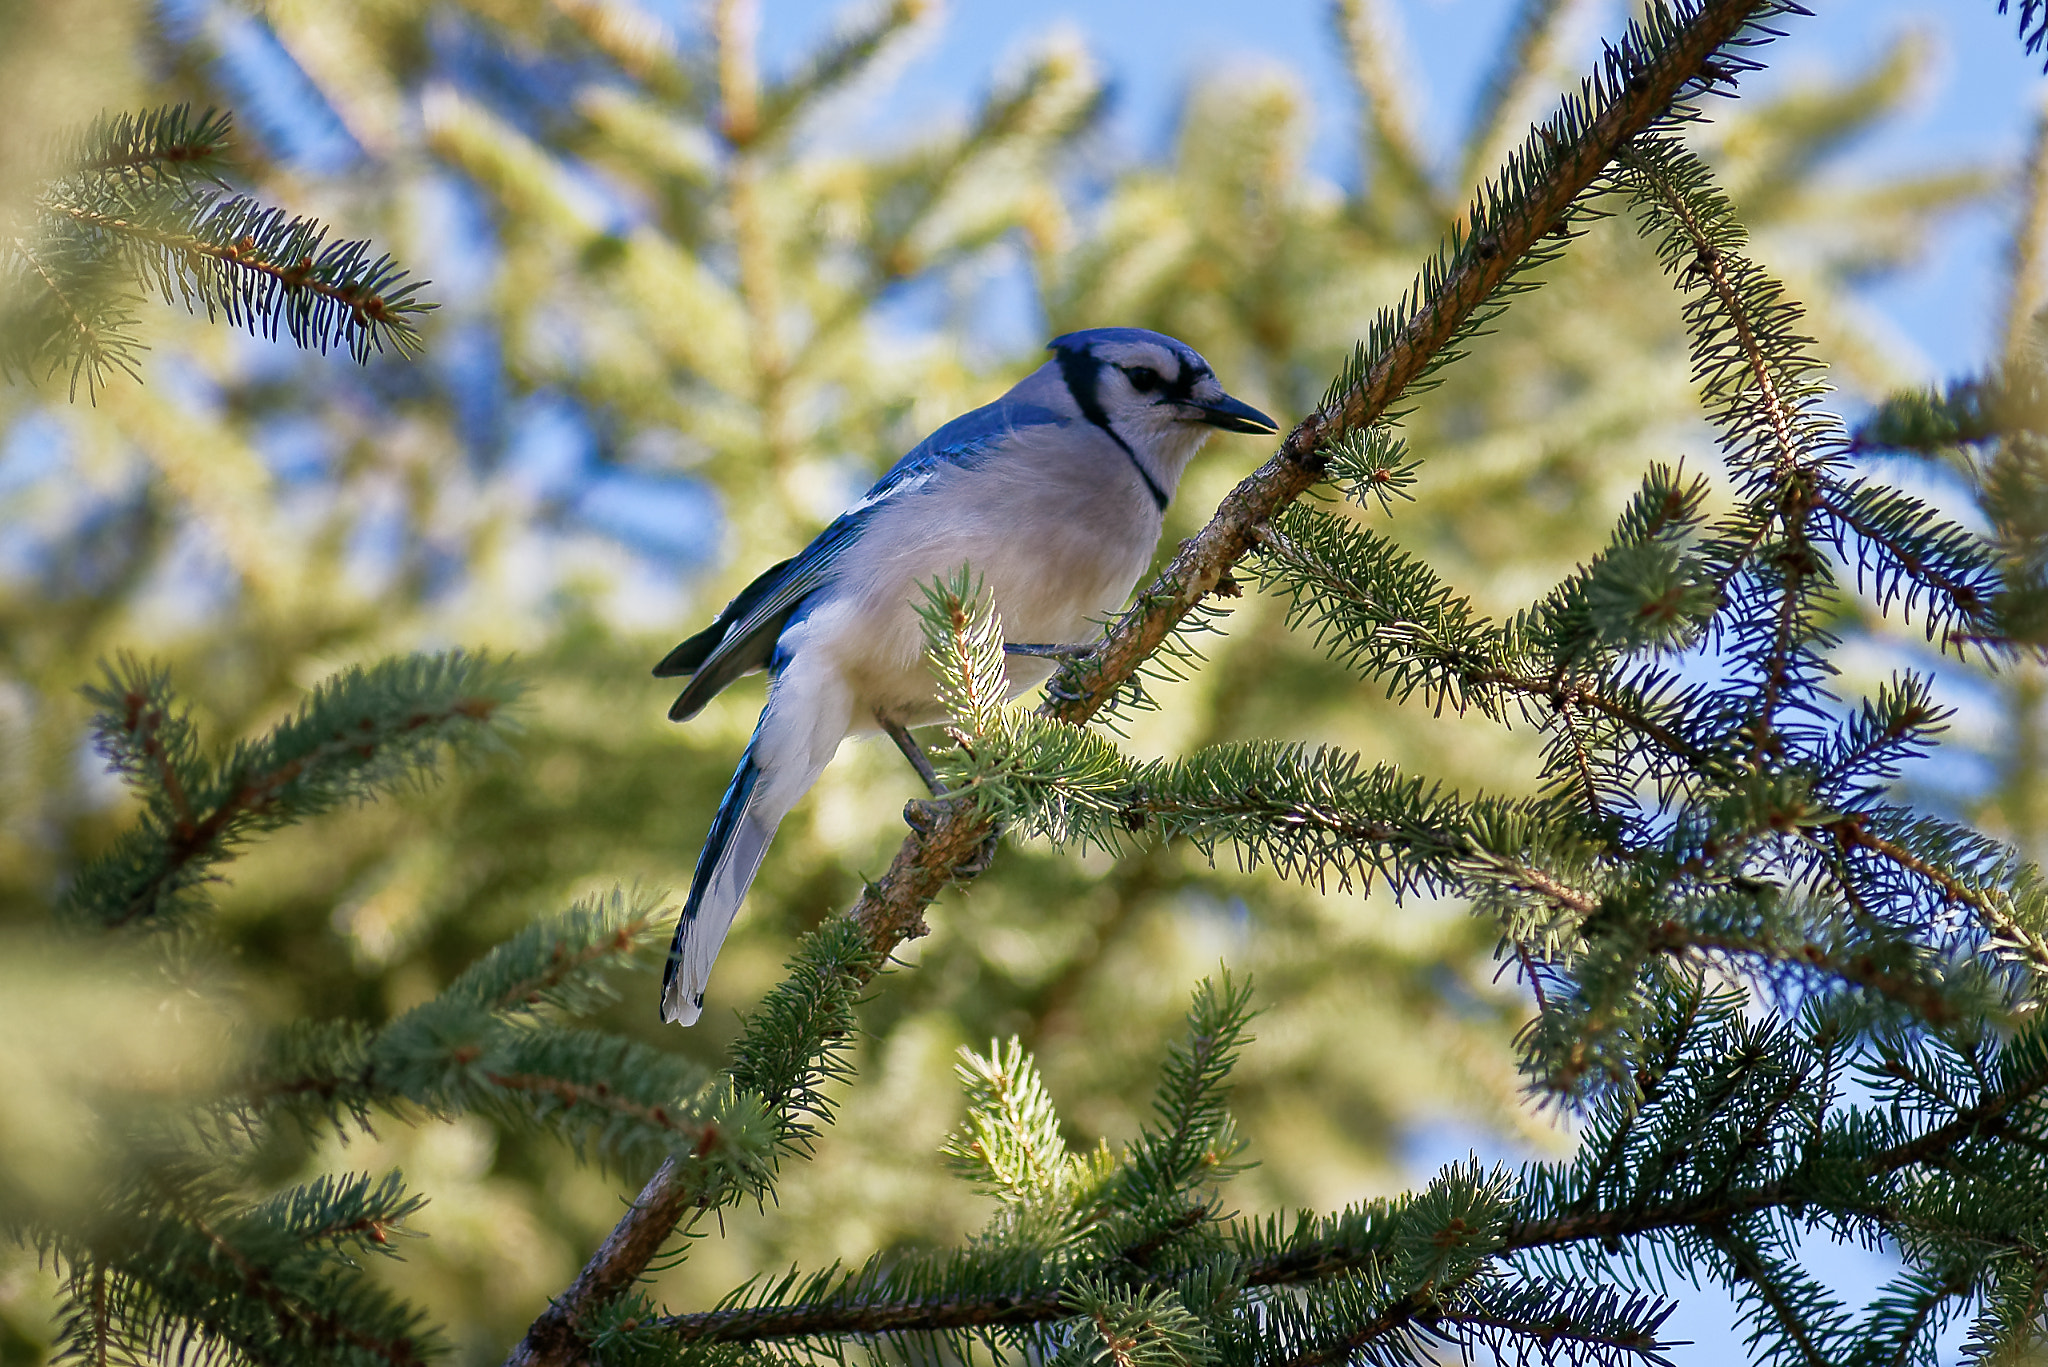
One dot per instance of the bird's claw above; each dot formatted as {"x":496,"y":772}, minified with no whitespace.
{"x":984,"y":854}
{"x":923,"y":815}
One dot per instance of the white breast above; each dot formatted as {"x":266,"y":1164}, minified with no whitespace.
{"x":1058,"y":532}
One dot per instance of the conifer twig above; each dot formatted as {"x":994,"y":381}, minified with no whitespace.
{"x":1316,"y":1260}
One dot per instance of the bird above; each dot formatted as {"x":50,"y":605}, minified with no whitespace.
{"x":1054,"y":495}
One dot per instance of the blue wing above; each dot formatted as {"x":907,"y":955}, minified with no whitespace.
{"x":742,"y":640}
{"x":966,"y":441}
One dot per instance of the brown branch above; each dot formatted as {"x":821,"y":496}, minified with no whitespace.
{"x":1314,"y":1262}
{"x":322,"y":1326}
{"x":1472,"y":668}
{"x":1968,"y":601}
{"x":1710,"y":262}
{"x":1563,"y":696}
{"x":368,"y":310}
{"x":1915,"y":994}
{"x":1450,"y":847}
{"x":102,"y":1317}
{"x":1750,"y":1268}
{"x":297,"y":275}
{"x":891,"y":909}
{"x":1401,"y":1313}
{"x":561,"y":966}
{"x":1568,"y":715}
{"x":1850,"y":832}
{"x":193,"y":835}
{"x":1797,"y":501}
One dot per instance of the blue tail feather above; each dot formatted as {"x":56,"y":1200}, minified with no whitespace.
{"x":681,"y":1001}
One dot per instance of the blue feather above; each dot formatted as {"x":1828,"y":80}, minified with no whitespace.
{"x":731,"y":809}
{"x":742,"y":640}
{"x":965,"y":441}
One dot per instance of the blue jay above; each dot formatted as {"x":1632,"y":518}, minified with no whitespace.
{"x":1054,"y":494}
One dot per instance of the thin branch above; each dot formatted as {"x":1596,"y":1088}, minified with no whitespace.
{"x":562,"y":967}
{"x":370,"y":310}
{"x":195,"y":836}
{"x":1850,"y":833}
{"x":1915,"y":994}
{"x":321,"y":1326}
{"x":1318,"y":1261}
{"x":1564,"y":695}
{"x":1744,"y":1263}
{"x":1407,"y":1310}
{"x":1709,"y":263}
{"x":1796,"y":501}
{"x":1969,"y":602}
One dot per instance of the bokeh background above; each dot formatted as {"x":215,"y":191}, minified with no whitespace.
{"x":699,"y":283}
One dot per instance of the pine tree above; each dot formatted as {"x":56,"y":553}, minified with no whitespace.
{"x":1721,"y":918}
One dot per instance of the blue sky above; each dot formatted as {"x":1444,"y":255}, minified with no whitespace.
{"x":1977,"y":104}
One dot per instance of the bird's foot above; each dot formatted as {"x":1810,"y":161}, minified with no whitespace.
{"x":924,"y":814}
{"x":984,"y":854}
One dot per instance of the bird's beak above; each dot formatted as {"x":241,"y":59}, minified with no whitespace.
{"x":1233,"y":415}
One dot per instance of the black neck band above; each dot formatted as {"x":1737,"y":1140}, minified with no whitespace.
{"x":1082,"y":372}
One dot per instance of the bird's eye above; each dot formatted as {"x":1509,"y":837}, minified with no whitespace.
{"x":1143,"y":378}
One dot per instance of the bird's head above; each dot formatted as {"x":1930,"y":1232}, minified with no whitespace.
{"x":1155,"y":395}
{"x":1146,"y":385}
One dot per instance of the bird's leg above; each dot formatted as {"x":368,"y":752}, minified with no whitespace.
{"x":1053,"y":652}
{"x":919,"y":813}
{"x":913,"y":752}
{"x":1048,"y":652}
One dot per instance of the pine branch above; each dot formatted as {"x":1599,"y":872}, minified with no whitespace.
{"x":1422,"y":1249}
{"x":793,"y":1047}
{"x":167,"y":142}
{"x":139,"y":201}
{"x":1012,"y":1146}
{"x":964,"y":637}
{"x":362,"y":732}
{"x":1192,"y":1142}
{"x":564,"y":962}
{"x":488,"y":1044}
{"x":260,"y":268}
{"x":171,"y":1266}
{"x":1792,"y":1300}
{"x":2001,"y":914}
